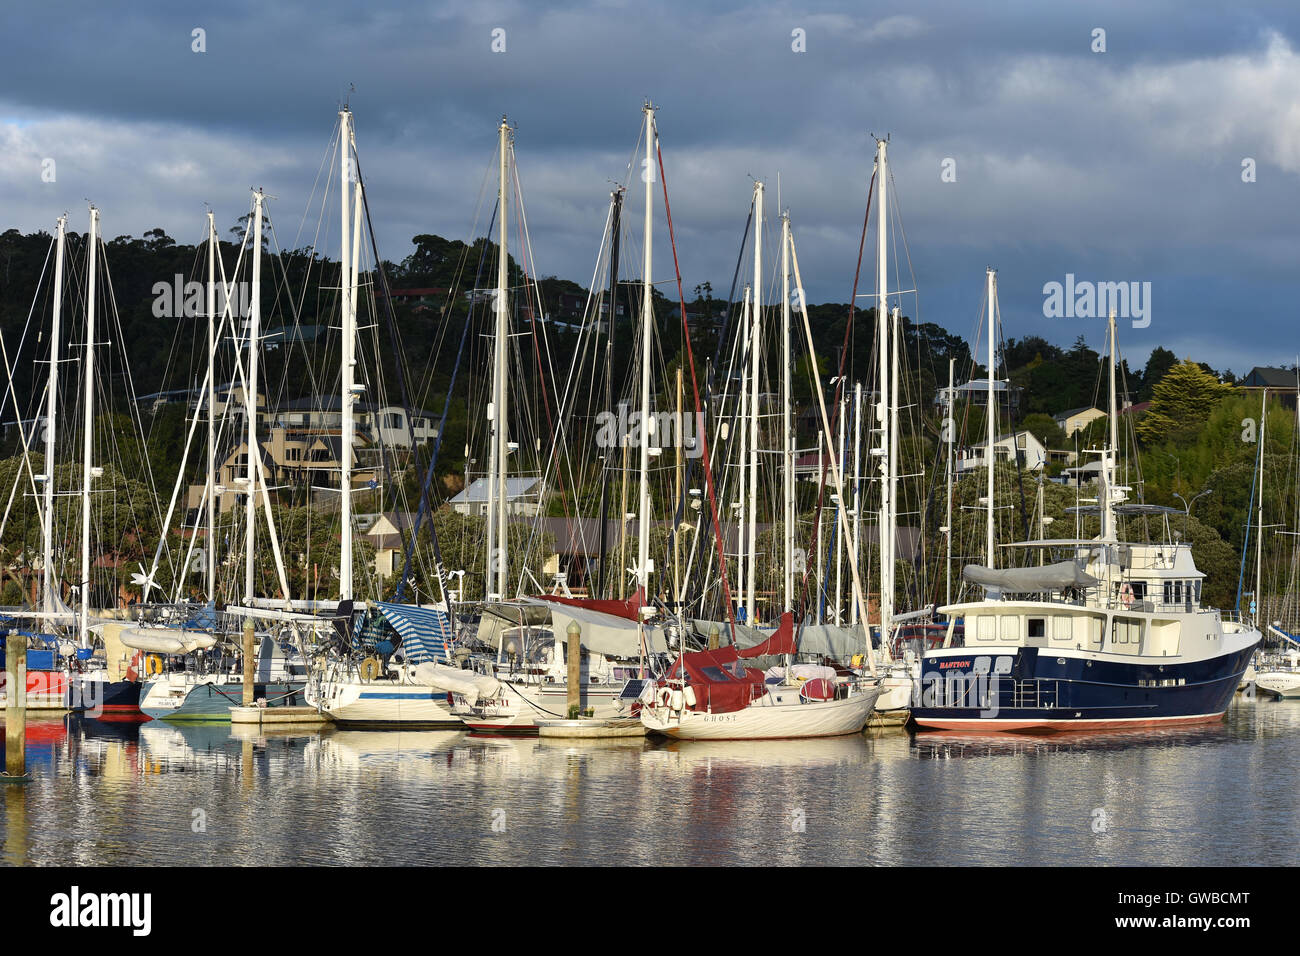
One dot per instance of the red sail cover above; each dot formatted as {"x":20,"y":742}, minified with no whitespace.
{"x":781,"y":641}
{"x":722,"y":683}
{"x":630,"y":609}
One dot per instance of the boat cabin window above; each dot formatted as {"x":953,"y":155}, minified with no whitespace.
{"x":1062,"y":629}
{"x":1126,"y":635}
{"x":1169,"y":592}
{"x":1010,"y":628}
{"x":1037,"y":627}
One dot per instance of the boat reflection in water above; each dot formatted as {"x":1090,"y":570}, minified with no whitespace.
{"x":766,"y":754}
{"x":940,"y":746}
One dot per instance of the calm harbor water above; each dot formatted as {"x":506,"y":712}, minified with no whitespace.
{"x":156,"y":794}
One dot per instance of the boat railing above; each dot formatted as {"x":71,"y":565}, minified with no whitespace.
{"x":1033,"y":692}
{"x":983,"y":691}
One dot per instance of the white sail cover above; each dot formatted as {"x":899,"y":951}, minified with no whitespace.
{"x":166,"y":640}
{"x":1051,"y":577}
{"x":839,"y":642}
{"x":606,"y":634}
{"x":802,"y":672}
{"x":453,"y":680}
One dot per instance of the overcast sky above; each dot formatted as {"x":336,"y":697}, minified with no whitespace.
{"x":1122,"y":165}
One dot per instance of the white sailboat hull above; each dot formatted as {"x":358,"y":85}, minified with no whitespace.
{"x":767,"y":719}
{"x":384,"y":703}
{"x":1285,"y":684}
{"x":516,"y":708}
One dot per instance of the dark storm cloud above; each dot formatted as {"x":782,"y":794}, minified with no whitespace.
{"x":1114,"y":166}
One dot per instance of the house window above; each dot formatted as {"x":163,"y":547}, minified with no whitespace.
{"x":393,"y":420}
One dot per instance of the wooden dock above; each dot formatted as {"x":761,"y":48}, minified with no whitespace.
{"x":588,"y":728}
{"x":277,"y":716}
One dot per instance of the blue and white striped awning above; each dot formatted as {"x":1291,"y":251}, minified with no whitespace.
{"x":425,"y":631}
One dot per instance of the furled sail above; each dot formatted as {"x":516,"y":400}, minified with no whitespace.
{"x":609,"y":634}
{"x":1051,"y":577}
{"x":453,"y":680}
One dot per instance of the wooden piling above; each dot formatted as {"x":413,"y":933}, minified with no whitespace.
{"x":250,"y":662}
{"x":573,"y":651}
{"x":15,"y":706}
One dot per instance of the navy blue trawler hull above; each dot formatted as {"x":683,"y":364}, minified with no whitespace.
{"x":1042,"y":690}
{"x":107,"y":700}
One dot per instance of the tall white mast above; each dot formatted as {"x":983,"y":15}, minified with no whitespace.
{"x":88,"y":417}
{"x":990,"y":415}
{"x":840,"y":514}
{"x":348,"y":426}
{"x":250,"y":397}
{"x":892,"y":516}
{"x":787,"y":429}
{"x":882,"y":384}
{"x":755,"y":346}
{"x":742,"y":468}
{"x":823,"y":447}
{"x":496,"y":503}
{"x":647,"y":331}
{"x":948,"y":426}
{"x":1108,"y":529}
{"x":1259,"y":520}
{"x":211,"y":556}
{"x":857,"y":467}
{"x":51,"y":416}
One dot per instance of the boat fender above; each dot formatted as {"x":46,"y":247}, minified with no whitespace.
{"x":690,"y":696}
{"x":153,"y":664}
{"x":678,"y":700}
{"x":369,"y":668}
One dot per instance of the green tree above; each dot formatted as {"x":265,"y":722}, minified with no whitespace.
{"x":1181,"y":403}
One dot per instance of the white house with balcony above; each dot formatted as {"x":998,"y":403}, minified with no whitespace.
{"x":523,"y":497}
{"x":1022,"y":444}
